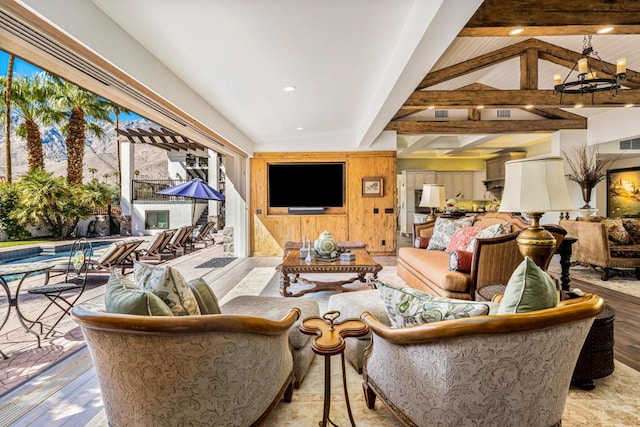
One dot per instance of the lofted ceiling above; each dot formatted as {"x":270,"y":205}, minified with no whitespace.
{"x":511,"y":78}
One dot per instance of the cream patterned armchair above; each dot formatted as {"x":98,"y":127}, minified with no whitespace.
{"x":507,"y":369}
{"x":214,"y":369}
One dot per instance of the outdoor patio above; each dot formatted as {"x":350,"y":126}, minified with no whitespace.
{"x":24,"y":359}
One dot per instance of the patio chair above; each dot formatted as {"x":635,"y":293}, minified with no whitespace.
{"x":203,"y":235}
{"x":154,"y":247}
{"x":180,"y":240}
{"x":66,"y":293}
{"x":117,"y":254}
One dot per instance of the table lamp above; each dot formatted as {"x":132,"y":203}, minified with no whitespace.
{"x":432,"y":197}
{"x":535,"y":186}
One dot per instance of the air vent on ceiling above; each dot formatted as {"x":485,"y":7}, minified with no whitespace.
{"x":503,"y":113}
{"x":442,"y":114}
{"x":61,"y":53}
{"x":630,"y":144}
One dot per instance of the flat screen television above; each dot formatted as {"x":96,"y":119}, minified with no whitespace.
{"x":299,"y":185}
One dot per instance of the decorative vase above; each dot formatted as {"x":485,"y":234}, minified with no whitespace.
{"x":586,"y":194}
{"x":325,"y":244}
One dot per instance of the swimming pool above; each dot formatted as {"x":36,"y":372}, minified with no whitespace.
{"x":35,"y":254}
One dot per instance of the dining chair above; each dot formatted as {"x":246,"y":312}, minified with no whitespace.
{"x":66,"y":293}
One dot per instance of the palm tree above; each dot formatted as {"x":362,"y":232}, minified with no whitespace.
{"x":106,"y":177}
{"x":7,"y":117}
{"x":93,"y":171}
{"x":83,"y":108}
{"x":33,"y":108}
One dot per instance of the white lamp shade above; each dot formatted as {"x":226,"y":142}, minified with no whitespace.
{"x":432,"y":196}
{"x":535,"y":185}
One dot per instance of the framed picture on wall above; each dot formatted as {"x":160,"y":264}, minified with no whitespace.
{"x":372,"y":187}
{"x":623,"y":192}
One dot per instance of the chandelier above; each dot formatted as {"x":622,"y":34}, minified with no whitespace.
{"x":588,"y":81}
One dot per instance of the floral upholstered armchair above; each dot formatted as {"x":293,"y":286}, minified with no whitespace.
{"x":211,"y":369}
{"x":502,"y":369}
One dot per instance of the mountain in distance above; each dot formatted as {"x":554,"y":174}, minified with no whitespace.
{"x":100,"y":153}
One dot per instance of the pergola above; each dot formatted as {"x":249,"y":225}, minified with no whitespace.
{"x":163,"y":138}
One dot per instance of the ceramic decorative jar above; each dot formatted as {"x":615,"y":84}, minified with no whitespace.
{"x":325,"y":244}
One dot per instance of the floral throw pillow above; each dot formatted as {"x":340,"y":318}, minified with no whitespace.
{"x":616,"y":231}
{"x":494,"y":230}
{"x":444,"y":229}
{"x":408,"y":306}
{"x":461,"y":238}
{"x":169,"y":285}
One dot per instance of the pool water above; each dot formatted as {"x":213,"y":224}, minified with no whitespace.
{"x":58,"y":257}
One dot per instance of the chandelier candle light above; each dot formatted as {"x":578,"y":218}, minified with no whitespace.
{"x":588,"y":80}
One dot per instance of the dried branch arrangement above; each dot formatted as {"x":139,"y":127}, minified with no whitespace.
{"x":586,"y":168}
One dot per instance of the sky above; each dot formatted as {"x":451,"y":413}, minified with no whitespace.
{"x":24,"y":68}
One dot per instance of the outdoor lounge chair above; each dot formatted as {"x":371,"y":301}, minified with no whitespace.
{"x":180,"y":240}
{"x":154,"y":247}
{"x":117,"y":254}
{"x":203,"y":235}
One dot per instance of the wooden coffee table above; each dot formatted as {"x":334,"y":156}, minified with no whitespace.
{"x":293,"y":266}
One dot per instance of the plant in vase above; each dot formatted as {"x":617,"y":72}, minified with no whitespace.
{"x":587,"y":169}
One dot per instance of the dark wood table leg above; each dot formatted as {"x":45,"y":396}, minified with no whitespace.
{"x":565,"y":262}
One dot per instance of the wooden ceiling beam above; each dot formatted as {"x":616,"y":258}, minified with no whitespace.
{"x":419,"y":100}
{"x":478,"y":63}
{"x":485,"y":126}
{"x":552,"y":17}
{"x":529,"y":69}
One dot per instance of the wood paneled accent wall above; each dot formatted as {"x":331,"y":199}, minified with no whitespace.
{"x":357,"y":220}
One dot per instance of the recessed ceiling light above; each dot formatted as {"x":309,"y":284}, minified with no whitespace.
{"x":528,"y":107}
{"x":298,"y":128}
{"x":577,"y":106}
{"x":516,"y":31}
{"x":431,"y":107}
{"x":605,"y":30}
{"x":480,"y":107}
{"x":628,"y":105}
{"x":289,"y":88}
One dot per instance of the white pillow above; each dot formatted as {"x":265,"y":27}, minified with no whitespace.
{"x":169,"y":285}
{"x":494,"y":230}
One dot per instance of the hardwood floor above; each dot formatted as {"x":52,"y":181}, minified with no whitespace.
{"x":626,"y":325}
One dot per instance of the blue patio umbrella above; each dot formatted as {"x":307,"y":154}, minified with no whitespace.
{"x":194,"y":189}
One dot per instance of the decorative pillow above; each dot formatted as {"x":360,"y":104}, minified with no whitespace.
{"x":123,"y":297}
{"x":529,"y":289}
{"x":408,"y":306}
{"x":444,"y":229}
{"x":616,"y":231}
{"x":460,"y":261}
{"x":632,"y":225}
{"x":461,"y":238}
{"x":207,"y":300}
{"x":494,"y":230}
{"x":421,"y":242}
{"x":168,"y":284}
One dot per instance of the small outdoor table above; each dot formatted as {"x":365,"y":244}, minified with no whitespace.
{"x":25,"y":270}
{"x":330,"y":341}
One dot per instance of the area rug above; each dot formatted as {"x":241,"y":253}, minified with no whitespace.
{"x":624,"y":284}
{"x":216,"y":262}
{"x":614,"y":401}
